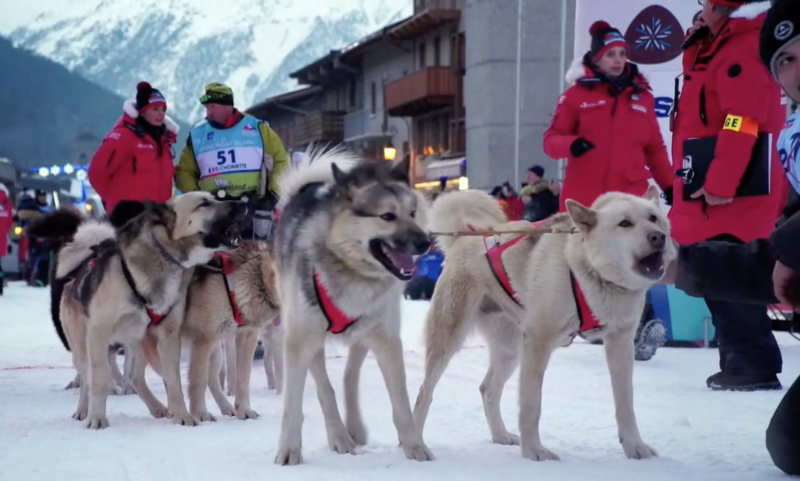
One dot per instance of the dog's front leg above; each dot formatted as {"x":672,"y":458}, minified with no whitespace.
{"x":97,"y":340}
{"x":246,"y":341}
{"x":169,"y":350}
{"x":339,"y":439}
{"x":214,"y":383}
{"x":352,"y":409}
{"x":536,"y":351}
{"x":156,"y":407}
{"x":198,"y":378}
{"x":388,"y":349}
{"x":299,"y":349}
{"x":619,"y":356}
{"x":229,"y":348}
{"x":127,"y":369}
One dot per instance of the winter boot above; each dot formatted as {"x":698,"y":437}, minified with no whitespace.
{"x":745,"y":382}
{"x":650,"y":336}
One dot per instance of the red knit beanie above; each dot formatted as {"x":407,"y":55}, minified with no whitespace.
{"x":604,"y":38}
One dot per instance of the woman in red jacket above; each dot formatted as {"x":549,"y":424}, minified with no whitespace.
{"x":134,"y":162}
{"x":6,"y":220}
{"x":605,"y":125}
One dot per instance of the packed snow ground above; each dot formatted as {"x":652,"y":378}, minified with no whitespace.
{"x":699,"y":434}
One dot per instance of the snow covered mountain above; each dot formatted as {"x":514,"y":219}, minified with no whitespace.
{"x":181,"y":45}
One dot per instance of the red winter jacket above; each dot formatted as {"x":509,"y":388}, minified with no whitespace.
{"x":127,"y":166}
{"x":623,"y":129}
{"x":724,"y":76}
{"x":6,"y":219}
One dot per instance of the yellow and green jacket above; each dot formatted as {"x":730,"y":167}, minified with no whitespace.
{"x":231,"y":158}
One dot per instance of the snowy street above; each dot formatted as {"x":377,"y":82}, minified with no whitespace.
{"x":699,"y":434}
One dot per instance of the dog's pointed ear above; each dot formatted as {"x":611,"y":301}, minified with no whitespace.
{"x":338,"y":174}
{"x":124,"y":211}
{"x":653,"y":194}
{"x":401,"y":170}
{"x":584,"y":218}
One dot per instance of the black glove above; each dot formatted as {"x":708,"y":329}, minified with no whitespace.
{"x":580,"y":146}
{"x":667,"y":195}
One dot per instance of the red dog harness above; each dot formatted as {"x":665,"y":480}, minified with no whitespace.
{"x":227,"y":271}
{"x":338,"y":321}
{"x":494,"y":254}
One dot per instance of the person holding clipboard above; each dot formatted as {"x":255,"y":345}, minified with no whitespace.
{"x":729,"y":185}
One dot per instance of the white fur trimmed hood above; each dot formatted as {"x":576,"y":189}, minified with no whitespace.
{"x":129,"y":107}
{"x":577,"y":71}
{"x":751,"y":11}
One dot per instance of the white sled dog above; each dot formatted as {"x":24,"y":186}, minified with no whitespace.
{"x":530,"y":294}
{"x":346,"y":244}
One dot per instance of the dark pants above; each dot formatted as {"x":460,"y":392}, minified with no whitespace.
{"x":744,"y":333}
{"x":783,"y":433}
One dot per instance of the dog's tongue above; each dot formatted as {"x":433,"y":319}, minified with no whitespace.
{"x":400,"y":260}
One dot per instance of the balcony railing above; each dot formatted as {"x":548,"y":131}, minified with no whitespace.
{"x":422,"y":91}
{"x":322,"y":126}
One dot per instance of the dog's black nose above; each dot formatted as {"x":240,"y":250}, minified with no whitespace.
{"x":657,"y":239}
{"x":422,"y":244}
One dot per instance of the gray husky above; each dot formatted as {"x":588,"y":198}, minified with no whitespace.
{"x":127,"y":281}
{"x":346,"y":245}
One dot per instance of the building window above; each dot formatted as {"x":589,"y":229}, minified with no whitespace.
{"x":437,"y":52}
{"x":373,"y":101}
{"x":422,"y":59}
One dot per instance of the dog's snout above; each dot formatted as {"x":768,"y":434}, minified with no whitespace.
{"x":657,"y":239}
{"x":422,"y":244}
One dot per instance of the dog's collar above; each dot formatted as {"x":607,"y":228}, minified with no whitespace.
{"x":164,"y":252}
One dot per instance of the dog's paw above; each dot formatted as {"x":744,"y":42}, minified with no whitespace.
{"x":79,"y":415}
{"x":114,"y":391}
{"x":159,"y":411}
{"x":204,"y":416}
{"x":289,"y":456}
{"x":639,"y":450}
{"x":74,"y":384}
{"x":246,"y":414}
{"x":358,"y":432}
{"x":185,"y":419}
{"x":417,"y":451}
{"x":97,"y":422}
{"x":539,"y":453}
{"x":506,"y":439}
{"x":227,"y":411}
{"x":341,"y":442}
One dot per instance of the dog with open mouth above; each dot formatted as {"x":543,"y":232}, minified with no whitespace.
{"x":346,"y":244}
{"x":528,"y":294}
{"x":125,"y":281}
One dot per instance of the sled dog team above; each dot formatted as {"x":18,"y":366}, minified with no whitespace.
{"x":154,"y":275}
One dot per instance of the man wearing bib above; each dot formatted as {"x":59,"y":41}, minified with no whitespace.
{"x":233,"y":156}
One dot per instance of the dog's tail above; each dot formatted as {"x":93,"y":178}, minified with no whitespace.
{"x":463,"y":210}
{"x":79,"y":249}
{"x":316,"y":166}
{"x":59,"y":226}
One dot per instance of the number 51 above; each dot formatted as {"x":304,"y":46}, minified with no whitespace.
{"x":223,"y":159}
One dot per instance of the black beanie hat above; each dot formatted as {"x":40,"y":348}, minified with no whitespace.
{"x":148,"y":97}
{"x":781,"y":28}
{"x":604,"y":38}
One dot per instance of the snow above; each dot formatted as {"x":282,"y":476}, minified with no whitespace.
{"x":699,"y":434}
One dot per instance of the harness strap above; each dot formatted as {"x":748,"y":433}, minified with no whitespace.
{"x":227,"y":276}
{"x":155,"y":319}
{"x":338,"y":321}
{"x":494,"y":254}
